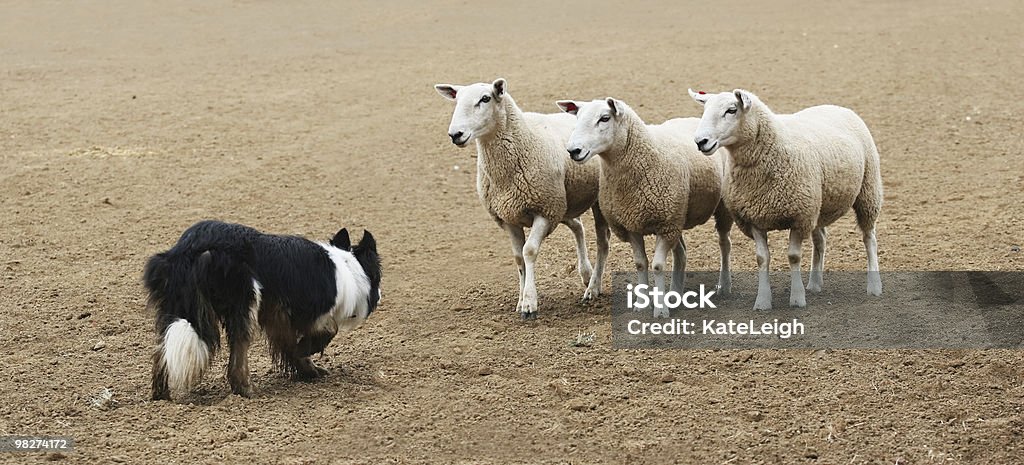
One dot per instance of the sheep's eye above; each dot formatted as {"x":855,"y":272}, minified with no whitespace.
{"x":605,"y":119}
{"x":731,"y":111}
{"x":485,"y":99}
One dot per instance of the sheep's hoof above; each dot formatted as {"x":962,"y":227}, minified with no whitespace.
{"x":763,"y":303}
{"x":875,"y":288}
{"x":585,"y":275}
{"x":590,"y":295}
{"x":798,"y":302}
{"x":528,"y":309}
{"x":723,"y":290}
{"x":814,"y":288}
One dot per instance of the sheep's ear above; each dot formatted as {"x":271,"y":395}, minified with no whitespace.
{"x":568,"y":106}
{"x":700,"y":97}
{"x":743,"y":97}
{"x":500,"y":87}
{"x":447,"y":91}
{"x":341,"y":240}
{"x":613,"y":104}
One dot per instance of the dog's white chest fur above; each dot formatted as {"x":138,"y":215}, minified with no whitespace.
{"x":351,"y":306}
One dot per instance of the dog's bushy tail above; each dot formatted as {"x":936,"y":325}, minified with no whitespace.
{"x":186,"y":290}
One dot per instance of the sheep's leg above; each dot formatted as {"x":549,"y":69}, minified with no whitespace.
{"x":518,"y":239}
{"x":764,"y":288}
{"x":639,"y":258}
{"x":816,"y":279}
{"x":723,"y":224}
{"x":539,"y":231}
{"x":603,"y":234}
{"x":867,"y":207}
{"x":797,"y":296}
{"x":662,"y":246}
{"x":679,"y":265}
{"x":583,"y":261}
{"x":874,"y":277}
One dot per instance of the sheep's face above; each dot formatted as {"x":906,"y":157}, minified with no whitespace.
{"x":477,"y":109}
{"x":722,"y":119}
{"x":596,"y":126}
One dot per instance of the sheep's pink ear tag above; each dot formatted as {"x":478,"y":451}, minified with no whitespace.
{"x":701,"y":92}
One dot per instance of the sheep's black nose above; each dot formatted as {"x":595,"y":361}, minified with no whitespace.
{"x":575,"y":152}
{"x":701,"y":143}
{"x":455,"y":137}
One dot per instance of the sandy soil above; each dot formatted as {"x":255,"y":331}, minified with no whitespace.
{"x":121,"y":123}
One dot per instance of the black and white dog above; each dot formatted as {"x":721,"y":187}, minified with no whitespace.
{"x":219,"y":274}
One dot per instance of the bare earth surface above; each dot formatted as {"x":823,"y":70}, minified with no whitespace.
{"x":121,"y":123}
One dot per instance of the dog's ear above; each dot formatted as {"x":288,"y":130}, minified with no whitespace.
{"x":368,"y":242}
{"x":341,"y":240}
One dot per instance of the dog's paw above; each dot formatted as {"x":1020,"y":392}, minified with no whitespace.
{"x":305,"y":375}
{"x":309,"y":371}
{"x":244,"y":391}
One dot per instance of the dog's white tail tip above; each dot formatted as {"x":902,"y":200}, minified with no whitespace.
{"x":185,"y":356}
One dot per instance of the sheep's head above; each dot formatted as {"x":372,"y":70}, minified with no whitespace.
{"x":722,"y":120}
{"x":477,"y":109}
{"x":597,"y":124}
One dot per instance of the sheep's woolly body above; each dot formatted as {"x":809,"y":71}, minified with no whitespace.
{"x":523,"y":169}
{"x":802,"y":171}
{"x":654,"y":181}
{"x":525,"y":179}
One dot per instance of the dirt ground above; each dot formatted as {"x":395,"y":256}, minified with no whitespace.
{"x":121,"y":123}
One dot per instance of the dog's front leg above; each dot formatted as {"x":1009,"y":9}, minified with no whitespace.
{"x":313,"y":343}
{"x":307,"y":346}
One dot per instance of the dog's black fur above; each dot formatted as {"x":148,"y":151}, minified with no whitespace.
{"x":207,"y":279}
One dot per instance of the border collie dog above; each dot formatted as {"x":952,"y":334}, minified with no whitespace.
{"x":300,"y":292}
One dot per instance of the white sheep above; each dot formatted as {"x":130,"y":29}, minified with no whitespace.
{"x":653,"y":181}
{"x":525,"y":179}
{"x":799,"y":172}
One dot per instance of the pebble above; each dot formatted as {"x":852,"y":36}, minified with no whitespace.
{"x":99,"y":345}
{"x":668,"y":378}
{"x":485,"y":371}
{"x":578,"y":405}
